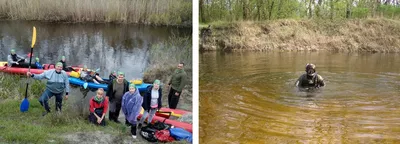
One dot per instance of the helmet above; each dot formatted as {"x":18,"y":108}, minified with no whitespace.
{"x":310,"y":69}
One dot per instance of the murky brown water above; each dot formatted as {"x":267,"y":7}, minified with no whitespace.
{"x":250,"y":98}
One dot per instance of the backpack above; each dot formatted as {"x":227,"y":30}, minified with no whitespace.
{"x":164,"y":136}
{"x":148,"y":133}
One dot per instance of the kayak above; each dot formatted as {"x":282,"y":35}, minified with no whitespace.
{"x":22,"y":71}
{"x":77,"y":81}
{"x":174,"y":112}
{"x":161,"y":117}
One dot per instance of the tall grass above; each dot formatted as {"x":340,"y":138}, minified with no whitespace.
{"x":156,"y":12}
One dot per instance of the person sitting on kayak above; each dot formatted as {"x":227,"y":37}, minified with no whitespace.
{"x":98,"y":108}
{"x":37,"y":63}
{"x":65,"y":68}
{"x":96,"y":77}
{"x":131,"y":106}
{"x":112,"y":76}
{"x":14,"y":60}
{"x":151,"y":101}
{"x":89,"y":76}
{"x":310,"y":79}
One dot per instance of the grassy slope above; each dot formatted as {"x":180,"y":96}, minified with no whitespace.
{"x":373,"y":35}
{"x":31,"y":127}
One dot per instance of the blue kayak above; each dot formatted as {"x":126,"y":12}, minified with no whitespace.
{"x":76,"y":81}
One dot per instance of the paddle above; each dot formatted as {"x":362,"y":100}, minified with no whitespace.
{"x":25,"y":103}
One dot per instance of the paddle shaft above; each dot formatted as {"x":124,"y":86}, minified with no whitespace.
{"x":29,"y":70}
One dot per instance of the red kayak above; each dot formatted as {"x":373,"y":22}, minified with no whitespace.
{"x":22,"y":71}
{"x":163,"y":116}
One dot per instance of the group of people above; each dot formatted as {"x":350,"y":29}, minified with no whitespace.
{"x":15,"y":60}
{"x":120,"y":95}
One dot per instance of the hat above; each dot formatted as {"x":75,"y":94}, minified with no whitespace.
{"x":156,"y":82}
{"x":59,"y":64}
{"x":63,"y":57}
{"x":310,"y":66}
{"x":37,"y":59}
{"x":132,"y":85}
{"x":121,"y":73}
{"x":12,"y":50}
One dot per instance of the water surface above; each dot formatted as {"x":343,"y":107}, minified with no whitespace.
{"x":250,"y":98}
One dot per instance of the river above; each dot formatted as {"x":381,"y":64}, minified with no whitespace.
{"x":110,"y":47}
{"x":249,"y":97}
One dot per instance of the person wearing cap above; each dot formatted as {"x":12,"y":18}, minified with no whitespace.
{"x":131,"y":106}
{"x":115,"y":90}
{"x":310,"y":79}
{"x":14,"y":60}
{"x":37,"y":63}
{"x":65,"y":67}
{"x":57,"y":83}
{"x":151,"y":101}
{"x":112,"y":76}
{"x":98,"y":108}
{"x":177,"y":82}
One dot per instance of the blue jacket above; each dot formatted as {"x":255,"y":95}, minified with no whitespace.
{"x":147,"y":98}
{"x":131,"y":105}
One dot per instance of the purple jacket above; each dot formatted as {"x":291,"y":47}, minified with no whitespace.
{"x":132,"y":105}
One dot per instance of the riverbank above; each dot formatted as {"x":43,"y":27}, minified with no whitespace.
{"x":69,"y":127}
{"x":164,"y":58}
{"x":151,"y":12}
{"x":364,"y":35}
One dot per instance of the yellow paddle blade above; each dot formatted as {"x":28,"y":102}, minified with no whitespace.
{"x":33,"y":37}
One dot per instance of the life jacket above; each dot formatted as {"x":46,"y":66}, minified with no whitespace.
{"x":14,"y":57}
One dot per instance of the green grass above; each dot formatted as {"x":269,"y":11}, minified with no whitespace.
{"x":31,"y":127}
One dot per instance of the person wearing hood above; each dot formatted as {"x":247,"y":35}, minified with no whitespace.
{"x":98,"y":108}
{"x":131,"y":107}
{"x":115,"y":91}
{"x":57,"y":83}
{"x":310,"y":79}
{"x":151,"y":101}
{"x":14,"y":60}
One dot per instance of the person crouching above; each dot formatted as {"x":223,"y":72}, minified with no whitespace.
{"x":98,"y":108}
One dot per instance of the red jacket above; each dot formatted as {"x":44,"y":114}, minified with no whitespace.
{"x":94,"y":105}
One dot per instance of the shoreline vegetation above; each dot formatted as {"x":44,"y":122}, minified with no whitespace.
{"x":149,"y":12}
{"x":305,"y":25}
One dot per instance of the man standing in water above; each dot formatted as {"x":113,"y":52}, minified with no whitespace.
{"x":177,"y":82}
{"x":57,"y":82}
{"x":116,"y":89}
{"x":310,"y":79}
